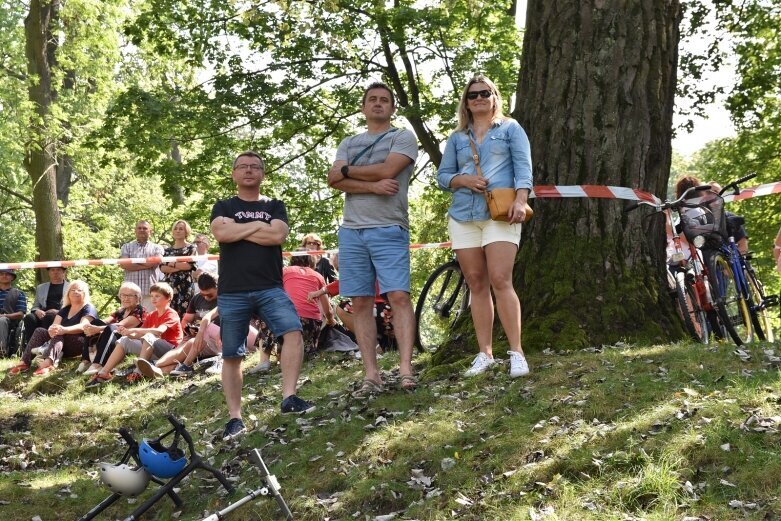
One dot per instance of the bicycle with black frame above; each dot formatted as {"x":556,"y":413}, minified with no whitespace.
{"x":442,"y":301}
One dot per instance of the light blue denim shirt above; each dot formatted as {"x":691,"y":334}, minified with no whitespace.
{"x":505,"y":158}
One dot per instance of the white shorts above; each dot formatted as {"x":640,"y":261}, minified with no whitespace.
{"x":478,"y":234}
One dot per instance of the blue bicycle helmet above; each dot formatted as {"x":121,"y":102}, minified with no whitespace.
{"x":158,"y":460}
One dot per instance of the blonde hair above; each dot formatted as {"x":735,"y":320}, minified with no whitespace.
{"x":465,"y":115}
{"x":76,"y":284}
{"x":188,"y":230}
{"x":311,"y":237}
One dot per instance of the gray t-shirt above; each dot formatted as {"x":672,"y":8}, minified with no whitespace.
{"x":371,"y":210}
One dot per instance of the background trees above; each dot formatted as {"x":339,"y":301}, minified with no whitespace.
{"x":148,"y":101}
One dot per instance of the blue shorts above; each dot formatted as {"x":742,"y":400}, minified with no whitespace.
{"x":273,"y":306}
{"x":373,"y":254}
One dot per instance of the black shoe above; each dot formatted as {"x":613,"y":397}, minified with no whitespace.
{"x":295,"y":405}
{"x":235,"y":427}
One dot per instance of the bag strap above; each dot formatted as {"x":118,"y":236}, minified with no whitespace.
{"x":475,"y":157}
{"x":362,"y":152}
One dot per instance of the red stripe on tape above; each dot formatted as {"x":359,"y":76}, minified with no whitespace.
{"x":546,"y":191}
{"x":598,"y":192}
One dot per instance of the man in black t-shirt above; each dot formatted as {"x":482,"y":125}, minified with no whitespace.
{"x":251,"y":229}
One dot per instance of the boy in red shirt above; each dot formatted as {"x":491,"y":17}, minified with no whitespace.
{"x":160,"y":332}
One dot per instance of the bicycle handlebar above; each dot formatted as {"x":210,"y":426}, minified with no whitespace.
{"x":734,"y":185}
{"x":633,"y":205}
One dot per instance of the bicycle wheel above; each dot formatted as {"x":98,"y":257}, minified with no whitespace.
{"x":760,"y":318}
{"x":687,"y":303}
{"x":731,"y":307}
{"x":443,"y":300}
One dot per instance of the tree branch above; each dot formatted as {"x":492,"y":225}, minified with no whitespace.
{"x":16,"y":194}
{"x":13,"y":74}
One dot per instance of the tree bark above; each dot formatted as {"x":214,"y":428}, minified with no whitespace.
{"x":176,"y":192}
{"x":595,"y":95}
{"x":40,"y":155}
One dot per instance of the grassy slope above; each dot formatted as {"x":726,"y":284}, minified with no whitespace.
{"x":660,"y":432}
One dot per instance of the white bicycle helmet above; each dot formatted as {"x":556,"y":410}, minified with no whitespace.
{"x":123,"y":479}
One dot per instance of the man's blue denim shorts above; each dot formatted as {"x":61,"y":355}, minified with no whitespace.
{"x":273,"y":306}
{"x":370,"y":254}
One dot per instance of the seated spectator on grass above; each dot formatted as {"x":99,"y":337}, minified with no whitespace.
{"x":202,"y":244}
{"x":13,"y":305}
{"x":48,"y":301}
{"x":734,"y":227}
{"x":65,"y":337}
{"x":207,"y":344}
{"x":323,"y":265}
{"x":160,"y":332}
{"x":299,"y":280}
{"x":130,"y":314}
{"x":383,"y":315}
{"x":195,"y":322}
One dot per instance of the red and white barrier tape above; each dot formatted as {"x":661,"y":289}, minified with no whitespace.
{"x":159,"y":260}
{"x":539,"y":192}
{"x":593,"y":192}
{"x":757,"y":191}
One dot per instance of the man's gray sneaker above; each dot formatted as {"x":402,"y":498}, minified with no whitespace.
{"x":182,"y":370}
{"x":263,"y":367}
{"x":235,"y":427}
{"x":295,"y":405}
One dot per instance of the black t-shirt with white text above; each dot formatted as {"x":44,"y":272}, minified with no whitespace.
{"x":244,"y":265}
{"x":199,"y":306}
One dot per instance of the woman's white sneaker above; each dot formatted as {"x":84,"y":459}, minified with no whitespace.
{"x":518,"y":364}
{"x":481,"y":362}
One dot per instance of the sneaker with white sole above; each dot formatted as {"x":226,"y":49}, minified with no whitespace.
{"x":83,"y":366}
{"x":216,"y":367}
{"x":263,"y":367}
{"x":93,"y":369}
{"x":518,"y":364}
{"x":182,"y":370}
{"x":481,"y":362}
{"x":295,"y":405}
{"x":235,"y":427}
{"x":148,"y":369}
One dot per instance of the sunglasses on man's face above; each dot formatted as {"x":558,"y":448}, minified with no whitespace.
{"x":475,"y":93}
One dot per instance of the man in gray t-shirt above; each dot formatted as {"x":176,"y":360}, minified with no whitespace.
{"x":373,"y":169}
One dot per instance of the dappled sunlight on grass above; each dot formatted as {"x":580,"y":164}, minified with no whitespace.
{"x":590,"y":435}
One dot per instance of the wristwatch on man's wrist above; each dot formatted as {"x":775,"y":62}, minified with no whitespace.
{"x":345,"y":170}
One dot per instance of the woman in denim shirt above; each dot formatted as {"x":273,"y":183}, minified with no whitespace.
{"x":485,"y":248}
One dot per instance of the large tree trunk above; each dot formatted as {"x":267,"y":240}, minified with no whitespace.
{"x":595,"y":94}
{"x":177,"y":192}
{"x":41,"y":155}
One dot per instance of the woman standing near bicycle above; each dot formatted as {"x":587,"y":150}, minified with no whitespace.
{"x":485,"y":248}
